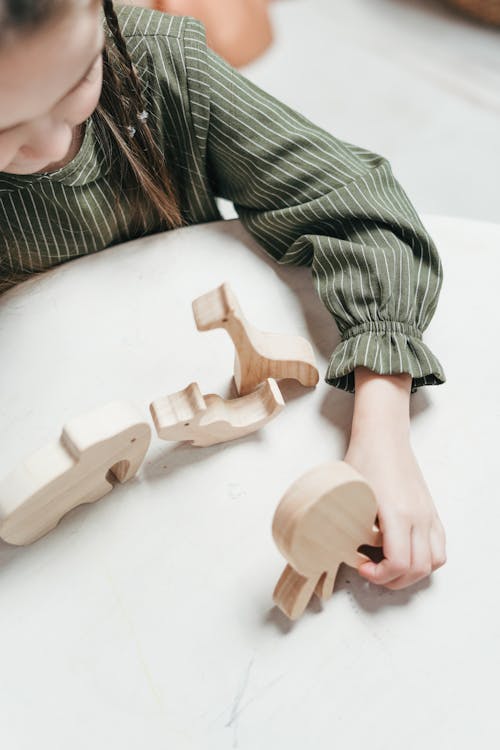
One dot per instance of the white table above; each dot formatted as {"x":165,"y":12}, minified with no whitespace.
{"x":145,"y":620}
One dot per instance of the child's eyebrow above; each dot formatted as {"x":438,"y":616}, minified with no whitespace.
{"x":73,"y":88}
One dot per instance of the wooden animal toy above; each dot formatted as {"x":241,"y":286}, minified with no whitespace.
{"x":112,"y":440}
{"x":321,"y":521}
{"x":207,"y":420}
{"x":258,"y":355}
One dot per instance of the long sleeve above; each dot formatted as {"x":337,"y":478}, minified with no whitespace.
{"x":305,"y":196}
{"x":309,"y":198}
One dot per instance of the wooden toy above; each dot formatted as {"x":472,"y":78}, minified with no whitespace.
{"x":210,"y":419}
{"x":112,"y":440}
{"x":321,"y":521}
{"x":258,"y":355}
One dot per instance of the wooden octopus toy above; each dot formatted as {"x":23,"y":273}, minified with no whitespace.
{"x":258,"y":355}
{"x":321,"y":521}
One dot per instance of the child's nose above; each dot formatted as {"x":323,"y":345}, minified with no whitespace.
{"x":48,"y":141}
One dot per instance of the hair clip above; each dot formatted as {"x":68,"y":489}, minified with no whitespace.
{"x":131,"y":131}
{"x":143,"y":116}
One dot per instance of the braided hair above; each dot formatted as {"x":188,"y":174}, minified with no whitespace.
{"x":122,"y":112}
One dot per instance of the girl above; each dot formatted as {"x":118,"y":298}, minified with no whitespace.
{"x":118,"y":127}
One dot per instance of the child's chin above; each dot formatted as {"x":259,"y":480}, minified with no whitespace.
{"x":25,"y":169}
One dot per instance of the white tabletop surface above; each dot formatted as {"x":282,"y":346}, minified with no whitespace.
{"x":146,"y":620}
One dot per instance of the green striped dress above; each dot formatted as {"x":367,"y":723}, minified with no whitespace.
{"x":307,"y":198}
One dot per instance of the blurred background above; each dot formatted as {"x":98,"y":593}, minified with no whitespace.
{"x":415,"y":80}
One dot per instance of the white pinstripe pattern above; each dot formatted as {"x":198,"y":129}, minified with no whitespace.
{"x":307,"y":197}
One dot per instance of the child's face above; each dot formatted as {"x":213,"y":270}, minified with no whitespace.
{"x":50,"y":82}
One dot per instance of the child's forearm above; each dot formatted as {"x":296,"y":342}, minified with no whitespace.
{"x":379,"y":448}
{"x":381,"y":404}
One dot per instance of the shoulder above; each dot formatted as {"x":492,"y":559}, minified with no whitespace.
{"x":169,"y":53}
{"x":142,"y":23}
{"x":172,"y":48}
{"x":166,"y":43}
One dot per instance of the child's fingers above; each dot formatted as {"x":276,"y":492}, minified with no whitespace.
{"x":421,"y":560}
{"x":397,"y":554}
{"x":438,"y":545}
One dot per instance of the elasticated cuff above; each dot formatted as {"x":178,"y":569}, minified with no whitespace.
{"x":386,"y":348}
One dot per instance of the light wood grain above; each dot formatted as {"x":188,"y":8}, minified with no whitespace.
{"x":258,"y":355}
{"x":210,"y":419}
{"x":93,"y":448}
{"x":321,"y":521}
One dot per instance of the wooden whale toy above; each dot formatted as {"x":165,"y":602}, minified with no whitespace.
{"x":210,"y":419}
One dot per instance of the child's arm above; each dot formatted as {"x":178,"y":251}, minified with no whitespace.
{"x":311,"y":199}
{"x":380,"y":449}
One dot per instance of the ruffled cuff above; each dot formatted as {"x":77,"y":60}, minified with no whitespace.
{"x":386,"y":348}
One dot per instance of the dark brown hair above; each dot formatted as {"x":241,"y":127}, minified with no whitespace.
{"x":141,"y":170}
{"x":138,"y":165}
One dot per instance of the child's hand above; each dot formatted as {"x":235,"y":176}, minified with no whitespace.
{"x":380,"y":449}
{"x":413,"y":536}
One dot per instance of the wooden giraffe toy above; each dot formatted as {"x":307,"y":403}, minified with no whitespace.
{"x":321,"y":521}
{"x":74,"y":470}
{"x":210,"y":419}
{"x":258,"y":355}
